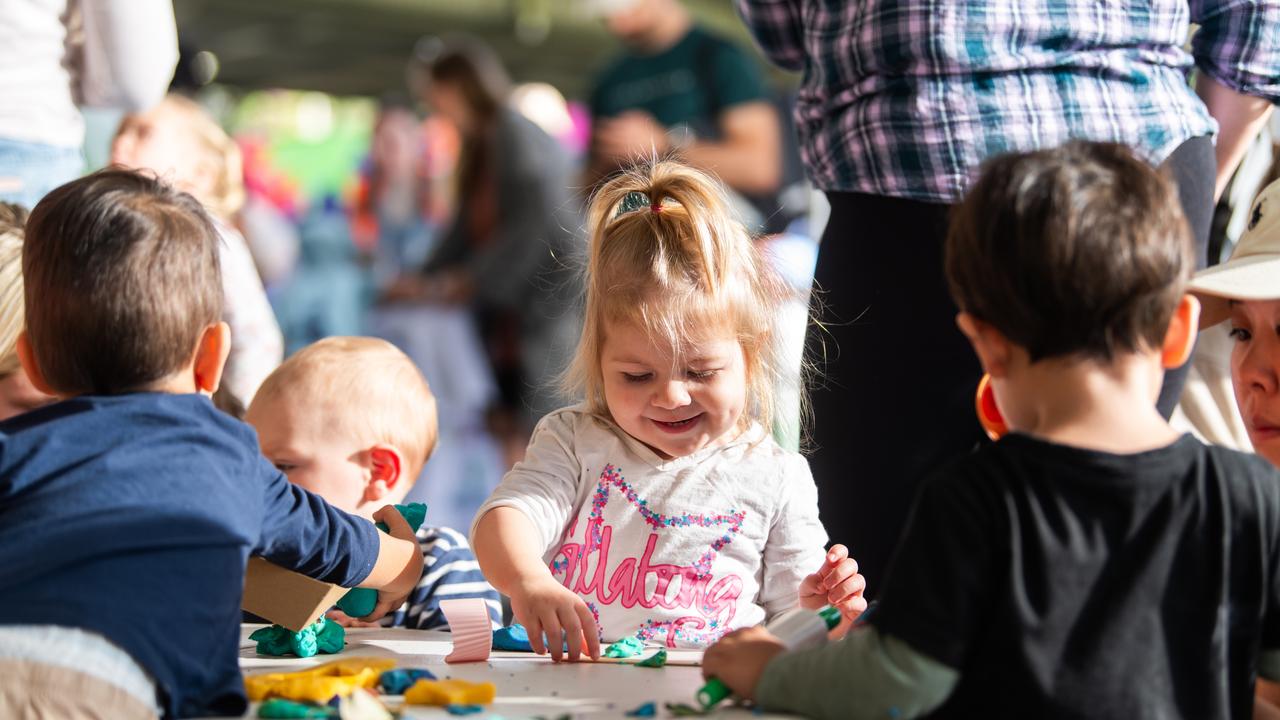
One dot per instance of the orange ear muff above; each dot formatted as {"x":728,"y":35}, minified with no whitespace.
{"x":988,"y":412}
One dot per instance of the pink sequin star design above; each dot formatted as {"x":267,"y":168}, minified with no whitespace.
{"x":700,"y":632}
{"x":612,"y":477}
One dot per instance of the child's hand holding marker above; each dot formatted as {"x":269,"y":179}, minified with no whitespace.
{"x":739,"y":659}
{"x":836,"y":583}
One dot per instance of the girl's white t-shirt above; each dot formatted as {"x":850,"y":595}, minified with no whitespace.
{"x":676,"y":552}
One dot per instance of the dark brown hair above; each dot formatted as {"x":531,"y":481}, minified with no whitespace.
{"x":122,"y":277}
{"x":1078,"y":250}
{"x":470,"y":66}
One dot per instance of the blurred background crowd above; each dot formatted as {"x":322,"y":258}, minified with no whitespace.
{"x":410,"y":169}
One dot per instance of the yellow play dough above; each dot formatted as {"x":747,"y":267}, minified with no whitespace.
{"x":450,"y":692}
{"x":320,"y":683}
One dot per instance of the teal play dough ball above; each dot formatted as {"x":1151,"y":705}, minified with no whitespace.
{"x":303,"y":644}
{"x":330,"y":636}
{"x":361,"y":601}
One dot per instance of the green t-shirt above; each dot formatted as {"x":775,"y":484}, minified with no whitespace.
{"x":689,"y":84}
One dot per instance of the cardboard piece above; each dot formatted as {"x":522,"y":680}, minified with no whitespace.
{"x":284,"y":597}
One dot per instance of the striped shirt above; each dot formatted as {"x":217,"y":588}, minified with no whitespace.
{"x":906,"y":97}
{"x":449,"y":571}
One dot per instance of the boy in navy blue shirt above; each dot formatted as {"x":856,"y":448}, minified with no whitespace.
{"x":128,"y":510}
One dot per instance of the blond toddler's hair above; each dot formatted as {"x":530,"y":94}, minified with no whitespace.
{"x":227,"y":195}
{"x":373,"y":390}
{"x":668,"y":256}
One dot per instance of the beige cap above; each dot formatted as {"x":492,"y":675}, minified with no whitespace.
{"x":1253,"y":272}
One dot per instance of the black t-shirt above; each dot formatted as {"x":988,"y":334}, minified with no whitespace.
{"x":1064,"y":582}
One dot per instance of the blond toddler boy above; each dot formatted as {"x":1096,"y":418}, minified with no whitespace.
{"x":352,"y":420}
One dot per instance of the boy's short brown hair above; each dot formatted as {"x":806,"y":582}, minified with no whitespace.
{"x":122,"y":277}
{"x":1079,"y":250}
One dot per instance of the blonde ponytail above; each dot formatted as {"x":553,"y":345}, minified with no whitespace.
{"x":667,"y":255}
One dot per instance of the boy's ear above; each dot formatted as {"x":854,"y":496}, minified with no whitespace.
{"x":1180,"y":338}
{"x":211,"y":357}
{"x":28,"y":361}
{"x":991,"y":346}
{"x":385,"y":467}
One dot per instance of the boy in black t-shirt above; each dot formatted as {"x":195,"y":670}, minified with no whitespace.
{"x":1093,"y":563}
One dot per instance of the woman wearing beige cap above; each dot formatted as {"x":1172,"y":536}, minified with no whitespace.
{"x":1246,"y":291}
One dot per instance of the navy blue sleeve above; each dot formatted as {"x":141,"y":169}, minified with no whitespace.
{"x":449,"y":571}
{"x":302,"y":532}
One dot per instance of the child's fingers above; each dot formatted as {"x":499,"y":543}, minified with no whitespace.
{"x":589,"y":630}
{"x":846,"y":569}
{"x":395,"y":522}
{"x":572,"y":632}
{"x":850,"y":608}
{"x":812,"y":585}
{"x":846,"y":589}
{"x":341,"y":618}
{"x":555,"y":635}
{"x":854,"y":606}
{"x":385,"y":605}
{"x":534,"y":628}
{"x":836,"y":554}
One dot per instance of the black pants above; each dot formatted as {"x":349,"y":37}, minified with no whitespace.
{"x":896,"y":400}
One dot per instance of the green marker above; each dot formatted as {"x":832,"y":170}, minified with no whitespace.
{"x":798,"y":629}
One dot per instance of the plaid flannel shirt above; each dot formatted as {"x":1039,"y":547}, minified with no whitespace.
{"x":907,"y":97}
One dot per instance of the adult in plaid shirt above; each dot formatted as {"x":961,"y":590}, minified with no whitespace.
{"x":900,"y":102}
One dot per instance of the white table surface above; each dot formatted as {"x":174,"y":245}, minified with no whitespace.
{"x":528,"y":685}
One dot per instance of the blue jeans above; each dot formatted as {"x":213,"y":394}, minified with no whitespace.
{"x":30,"y":170}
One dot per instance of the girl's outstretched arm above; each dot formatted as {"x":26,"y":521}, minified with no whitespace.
{"x":507,"y":545}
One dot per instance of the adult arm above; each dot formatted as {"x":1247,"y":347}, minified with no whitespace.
{"x":130,"y":52}
{"x":748,"y":155}
{"x":1240,"y":118}
{"x":746,"y":152}
{"x":777,"y":29}
{"x":1237,"y":48}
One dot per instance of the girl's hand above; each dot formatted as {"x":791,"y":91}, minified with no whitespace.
{"x":739,"y":659}
{"x":544,"y":606}
{"x":836,"y":583}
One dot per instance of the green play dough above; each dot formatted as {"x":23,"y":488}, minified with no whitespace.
{"x":321,"y":637}
{"x":658,"y":660}
{"x":625,"y":648}
{"x":330,"y":637}
{"x":272,"y":640}
{"x":361,"y":601}
{"x":284,"y":709}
